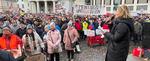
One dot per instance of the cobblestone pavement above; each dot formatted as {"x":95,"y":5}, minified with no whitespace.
{"x":95,"y":53}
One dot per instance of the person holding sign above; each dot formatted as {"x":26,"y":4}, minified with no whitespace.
{"x":119,"y":36}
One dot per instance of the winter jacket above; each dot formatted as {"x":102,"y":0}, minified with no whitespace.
{"x":68,"y":40}
{"x":40,"y":31}
{"x":58,"y":27}
{"x":20,"y":32}
{"x":118,"y":39}
{"x":13,"y":43}
{"x":29,"y":43}
{"x":53,"y":42}
{"x":78,"y":26}
{"x":85,"y":25}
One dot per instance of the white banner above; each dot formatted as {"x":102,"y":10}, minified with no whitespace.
{"x":90,"y":33}
{"x":86,"y":10}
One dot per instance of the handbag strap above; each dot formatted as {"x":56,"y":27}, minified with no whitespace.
{"x":69,"y":36}
{"x":52,"y":38}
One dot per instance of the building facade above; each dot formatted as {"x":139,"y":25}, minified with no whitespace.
{"x":135,"y":6}
{"x":8,"y":5}
{"x":24,"y":5}
{"x":68,"y":4}
{"x":109,"y":6}
{"x":49,"y":6}
{"x":42,"y":6}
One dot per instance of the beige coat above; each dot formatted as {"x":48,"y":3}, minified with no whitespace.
{"x":73,"y":36}
{"x":38,"y":41}
{"x":53,"y":41}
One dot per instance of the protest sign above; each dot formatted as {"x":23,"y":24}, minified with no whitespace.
{"x":90,"y":33}
{"x":98,"y":32}
{"x":86,"y":10}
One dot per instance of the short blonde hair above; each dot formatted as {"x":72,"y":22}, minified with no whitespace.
{"x":123,"y":12}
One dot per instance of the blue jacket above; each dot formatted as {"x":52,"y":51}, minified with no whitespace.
{"x":58,"y":28}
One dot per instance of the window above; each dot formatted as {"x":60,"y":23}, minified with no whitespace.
{"x":101,"y":2}
{"x":108,"y":8}
{"x":98,"y":2}
{"x":117,"y":2}
{"x":88,"y":2}
{"x":130,"y":8}
{"x":129,"y":1}
{"x":142,"y":1}
{"x":142,"y":7}
{"x":22,"y":6}
{"x":107,"y":2}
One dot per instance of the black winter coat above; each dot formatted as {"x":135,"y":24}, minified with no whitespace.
{"x":118,"y":40}
{"x":20,"y":32}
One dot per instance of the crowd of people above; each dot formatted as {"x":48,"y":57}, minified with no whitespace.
{"x":29,"y":34}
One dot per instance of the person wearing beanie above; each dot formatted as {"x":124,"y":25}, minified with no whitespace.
{"x":10,"y":42}
{"x":44,"y":35}
{"x":22,"y":30}
{"x":70,"y":36}
{"x":13,"y":25}
{"x":54,"y":43}
{"x":29,"y":26}
{"x":32,"y":43}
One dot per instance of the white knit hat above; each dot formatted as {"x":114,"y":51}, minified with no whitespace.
{"x":70,"y":23}
{"x":52,"y":23}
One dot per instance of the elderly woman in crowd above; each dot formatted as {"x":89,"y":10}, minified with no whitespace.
{"x":46,"y":30}
{"x":70,"y":36}
{"x":54,"y":43}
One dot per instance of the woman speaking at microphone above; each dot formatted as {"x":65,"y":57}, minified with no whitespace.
{"x":119,"y":36}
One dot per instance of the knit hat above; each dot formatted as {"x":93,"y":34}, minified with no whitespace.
{"x":29,"y":26}
{"x":48,"y":27}
{"x":52,"y":23}
{"x":70,"y":23}
{"x":7,"y":28}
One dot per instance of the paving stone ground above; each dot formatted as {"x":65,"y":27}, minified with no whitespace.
{"x":95,"y":53}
